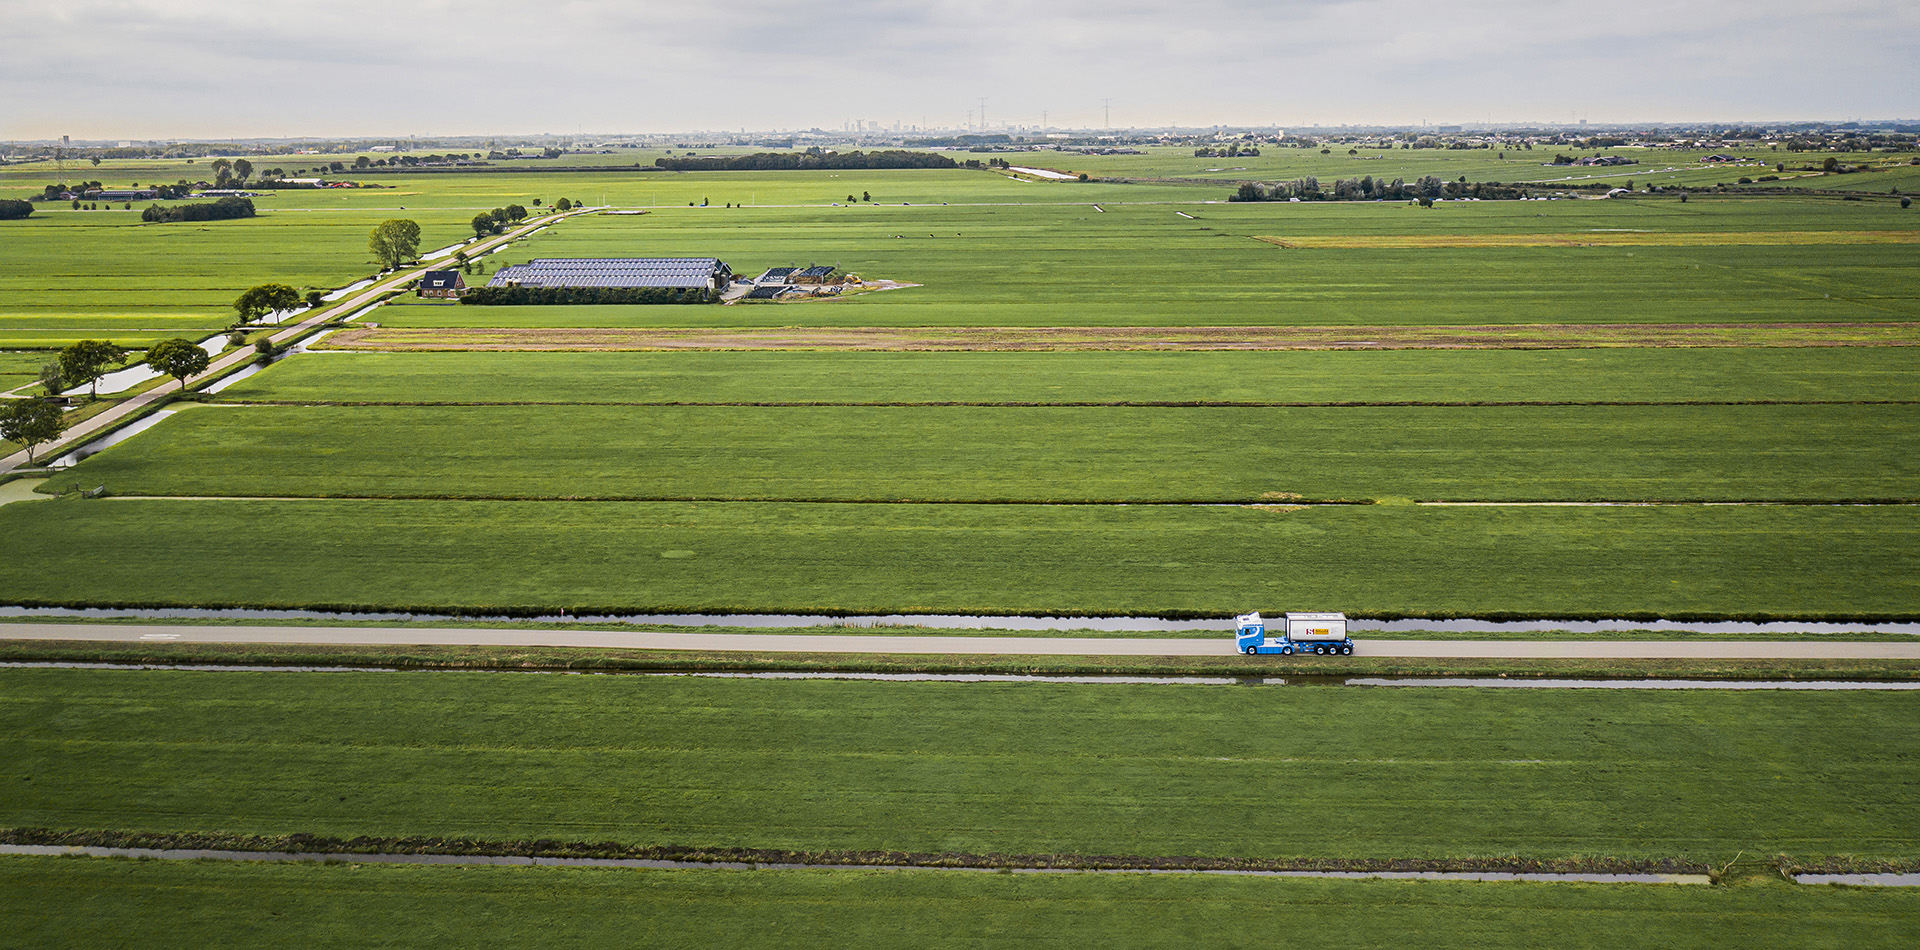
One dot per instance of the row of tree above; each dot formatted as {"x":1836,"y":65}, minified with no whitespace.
{"x":1426,"y":189}
{"x":485,"y":296}
{"x":499,"y":219}
{"x":224,"y":209}
{"x":35,"y":421}
{"x":806,"y":161}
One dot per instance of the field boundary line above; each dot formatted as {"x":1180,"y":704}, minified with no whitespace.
{"x":1143,"y":339}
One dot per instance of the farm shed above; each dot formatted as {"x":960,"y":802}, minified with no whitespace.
{"x":442,"y":283}
{"x":623,"y":272}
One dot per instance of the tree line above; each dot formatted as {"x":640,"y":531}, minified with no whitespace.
{"x":1425,"y":189}
{"x":499,"y":219}
{"x":33,"y":421}
{"x":514,"y":296}
{"x":225,"y":209}
{"x":806,"y":161}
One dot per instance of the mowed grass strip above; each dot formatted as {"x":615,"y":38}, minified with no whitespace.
{"x":1156,"y":771}
{"x":91,"y":903}
{"x":1624,"y":237}
{"x":1450,"y":376}
{"x":1026,"y":454}
{"x":502,"y":557}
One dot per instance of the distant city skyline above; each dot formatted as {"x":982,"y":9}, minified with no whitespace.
{"x":192,"y":69}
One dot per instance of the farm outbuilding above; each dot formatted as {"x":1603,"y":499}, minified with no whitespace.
{"x":621,"y":272}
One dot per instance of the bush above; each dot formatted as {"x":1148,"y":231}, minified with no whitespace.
{"x":13,"y":209}
{"x":225,"y":209}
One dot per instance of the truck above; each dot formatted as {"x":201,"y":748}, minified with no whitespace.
{"x":1320,"y":633}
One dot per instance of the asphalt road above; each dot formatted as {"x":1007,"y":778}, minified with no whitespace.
{"x":1064,"y":646}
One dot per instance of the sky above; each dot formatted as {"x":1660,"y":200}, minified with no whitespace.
{"x":151,"y":69}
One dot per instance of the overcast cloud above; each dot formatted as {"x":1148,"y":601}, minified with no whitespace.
{"x":142,"y":69}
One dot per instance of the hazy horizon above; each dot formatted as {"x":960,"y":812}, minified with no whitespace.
{"x":192,"y":69}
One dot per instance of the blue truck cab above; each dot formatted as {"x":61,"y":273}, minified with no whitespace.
{"x":1318,"y":633}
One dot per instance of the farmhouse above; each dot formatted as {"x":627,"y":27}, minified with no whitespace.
{"x":442,"y":283}
{"x":687,"y":273}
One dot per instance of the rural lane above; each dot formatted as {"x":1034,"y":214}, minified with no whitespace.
{"x":1061,"y":646}
{"x":81,"y":432}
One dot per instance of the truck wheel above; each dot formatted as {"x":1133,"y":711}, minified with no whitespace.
{"x":1286,"y":650}
{"x":1250,"y":651}
{"x":1319,"y":649}
{"x":1346,"y":650}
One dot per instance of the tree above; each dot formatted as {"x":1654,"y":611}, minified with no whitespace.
{"x":30,"y":422}
{"x":395,"y":242}
{"x":242,"y":169}
{"x":87,"y":360}
{"x":264,"y":299}
{"x":12,"y":209}
{"x":178,"y":358}
{"x":315,"y":298}
{"x":516,"y":213}
{"x":483,"y":224}
{"x":220,"y":166}
{"x":564,"y":205}
{"x":53,"y":378}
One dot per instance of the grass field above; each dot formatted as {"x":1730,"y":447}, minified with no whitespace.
{"x":1003,"y":253}
{"x":71,"y":275}
{"x":1212,"y":771}
{"x":85,"y":903}
{"x":1143,"y":265}
{"x":1037,"y":454}
{"x":1455,"y":376}
{"x":499,"y":557}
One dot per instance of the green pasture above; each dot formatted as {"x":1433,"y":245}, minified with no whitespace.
{"x":83,"y":903}
{"x":1277,"y":163}
{"x":25,"y":365}
{"x":1026,"y":454}
{"x":521,"y":180}
{"x":1626,"y":374}
{"x":483,"y":189}
{"x":1879,"y":179}
{"x":1145,"y":265}
{"x":71,"y":275}
{"x":1029,"y":768}
{"x":493,"y":557}
{"x":1004,"y":253}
